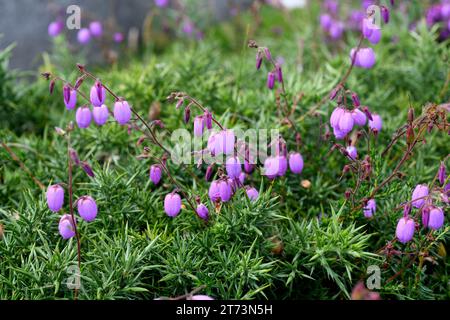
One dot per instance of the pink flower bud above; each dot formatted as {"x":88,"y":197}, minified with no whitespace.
{"x":405,"y":229}
{"x":83,"y":117}
{"x":100,"y":114}
{"x":66,"y":227}
{"x":122,"y":112}
{"x":172,"y":204}
{"x":55,"y":197}
{"x":87,"y":208}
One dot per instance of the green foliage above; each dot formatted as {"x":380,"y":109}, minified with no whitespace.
{"x":294,"y":242}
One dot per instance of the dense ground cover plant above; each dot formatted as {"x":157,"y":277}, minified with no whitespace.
{"x":312,"y":235}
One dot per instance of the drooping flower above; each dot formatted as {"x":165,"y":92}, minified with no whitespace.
{"x":325,"y":21}
{"x":365,"y":57}
{"x":55,"y":197}
{"x":385,"y":14}
{"x":375,"y":37}
{"x":435,"y":218}
{"x":70,"y":97}
{"x":97,"y":94}
{"x":83,"y":117}
{"x":199,"y":125}
{"x":405,"y":229}
{"x":118,"y":37}
{"x":222,"y":142}
{"x":370,"y":208}
{"x":346,"y":122}
{"x":66,"y":227}
{"x":376,"y":123}
{"x":96,"y":29}
{"x":122,"y":112}
{"x":352,"y":152}
{"x":241,"y":179}
{"x":83,"y":36}
{"x":213,"y":192}
{"x":336,"y":30}
{"x":249,"y":166}
{"x":336,"y":116}
{"x":420,"y":192}
{"x":100,"y":114}
{"x":87,"y":208}
{"x":296,"y":162}
{"x":359,"y":117}
{"x":155,"y":173}
{"x":172,"y":204}
{"x":225,"y":190}
{"x":55,"y":28}
{"x":202,"y":211}
{"x":252,"y":193}
{"x":271,"y":167}
{"x":282,"y":165}
{"x":233,"y":167}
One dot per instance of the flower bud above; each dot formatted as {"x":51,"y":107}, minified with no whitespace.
{"x":172,"y":204}
{"x":279,"y":74}
{"x":258,"y":60}
{"x":179,"y":103}
{"x":252,"y":193}
{"x":87,"y":208}
{"x":122,"y":112}
{"x":270,"y":80}
{"x":202,"y":211}
{"x":51,"y":86}
{"x":100,"y":114}
{"x":267,"y":54}
{"x":55,"y":197}
{"x":208,"y":119}
{"x":209,"y":172}
{"x":405,"y":229}
{"x":442,"y":174}
{"x":187,"y":114}
{"x":83,"y":117}
{"x":355,"y":100}
{"x":155,"y":173}
{"x":74,"y":156}
{"x":66,"y":227}
{"x":385,"y":14}
{"x":87,"y":169}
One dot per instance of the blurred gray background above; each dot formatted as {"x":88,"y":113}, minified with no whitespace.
{"x":25,"y":22}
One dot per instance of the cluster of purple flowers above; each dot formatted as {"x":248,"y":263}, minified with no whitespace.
{"x":422,"y":199}
{"x":343,"y":120}
{"x":86,"y":205}
{"x":439,"y":14}
{"x":334,"y":25}
{"x":84,"y":35}
{"x":99,"y":112}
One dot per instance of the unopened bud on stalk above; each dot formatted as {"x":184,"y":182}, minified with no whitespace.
{"x":410,"y":115}
{"x":355,"y":99}
{"x":187,"y":114}
{"x":87,"y":168}
{"x":74,"y":156}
